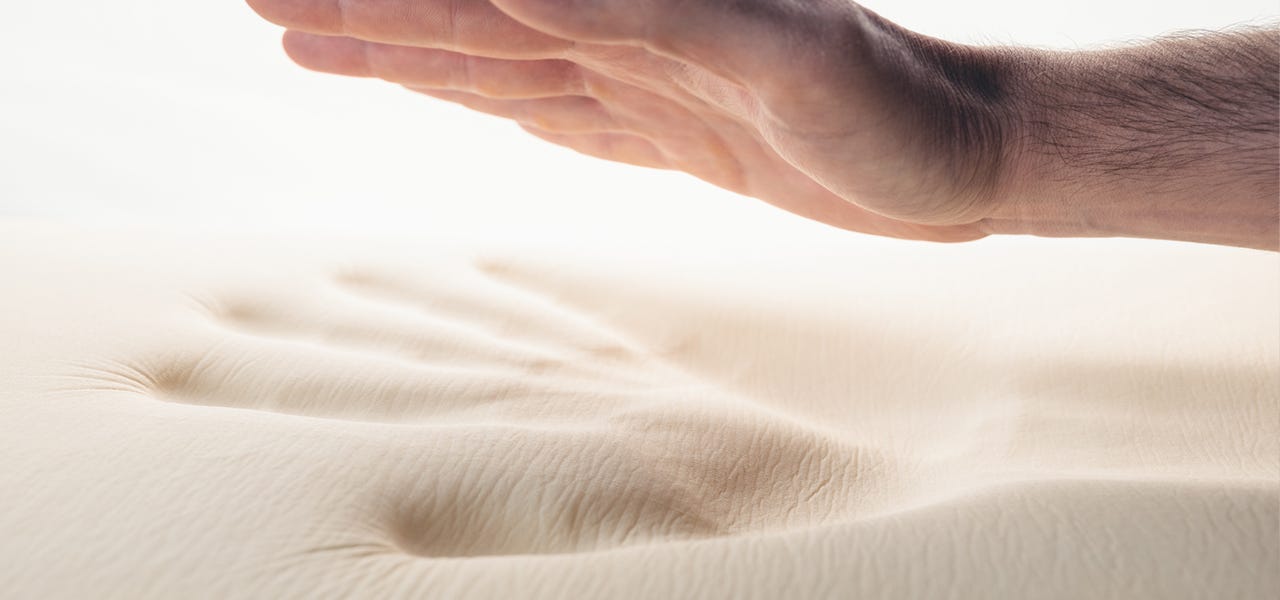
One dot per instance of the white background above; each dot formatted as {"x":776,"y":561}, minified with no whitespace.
{"x":189,"y":112}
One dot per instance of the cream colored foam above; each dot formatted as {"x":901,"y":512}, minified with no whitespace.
{"x":190,"y":416}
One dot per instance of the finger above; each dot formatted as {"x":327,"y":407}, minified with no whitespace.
{"x":468,"y":26}
{"x":617,"y":147}
{"x":431,"y":68}
{"x":563,"y":114}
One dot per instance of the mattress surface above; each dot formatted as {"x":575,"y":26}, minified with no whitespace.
{"x":213,"y":416}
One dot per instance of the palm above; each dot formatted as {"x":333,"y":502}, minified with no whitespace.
{"x":648,"y":104}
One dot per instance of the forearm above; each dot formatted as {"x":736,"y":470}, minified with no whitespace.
{"x":1175,"y":139}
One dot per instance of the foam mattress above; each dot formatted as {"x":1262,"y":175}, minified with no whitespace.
{"x":213,"y":416}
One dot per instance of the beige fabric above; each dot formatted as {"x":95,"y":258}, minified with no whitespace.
{"x":192,"y":416}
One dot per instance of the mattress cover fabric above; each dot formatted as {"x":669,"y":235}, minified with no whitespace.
{"x":213,"y":416}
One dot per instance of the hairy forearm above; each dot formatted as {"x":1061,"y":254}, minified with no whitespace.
{"x":1174,"y":139}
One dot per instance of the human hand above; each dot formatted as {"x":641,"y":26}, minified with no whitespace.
{"x":821,"y":108}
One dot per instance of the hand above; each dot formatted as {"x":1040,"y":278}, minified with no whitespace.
{"x":821,"y":108}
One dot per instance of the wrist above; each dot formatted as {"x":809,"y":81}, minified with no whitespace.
{"x":969,"y":117}
{"x":1041,"y":190}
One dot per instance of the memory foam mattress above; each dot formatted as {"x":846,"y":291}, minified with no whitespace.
{"x":213,"y":416}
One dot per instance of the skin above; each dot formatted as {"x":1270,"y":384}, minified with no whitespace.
{"x":819,"y":107}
